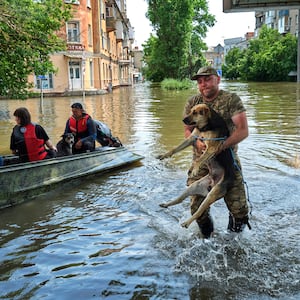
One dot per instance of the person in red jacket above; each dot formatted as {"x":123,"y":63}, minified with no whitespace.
{"x":83,"y":128}
{"x":28,"y":139}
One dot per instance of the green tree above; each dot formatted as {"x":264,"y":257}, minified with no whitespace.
{"x":28,"y":34}
{"x":270,"y":57}
{"x":232,"y":66}
{"x":202,"y":20}
{"x":176,"y":49}
{"x":151,"y":72}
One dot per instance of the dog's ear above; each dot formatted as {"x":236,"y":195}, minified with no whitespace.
{"x":208,"y":112}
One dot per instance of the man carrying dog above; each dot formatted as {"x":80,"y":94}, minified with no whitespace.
{"x":230,"y":107}
{"x":83,"y":128}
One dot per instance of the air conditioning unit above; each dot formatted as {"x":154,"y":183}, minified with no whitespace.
{"x":72,"y":1}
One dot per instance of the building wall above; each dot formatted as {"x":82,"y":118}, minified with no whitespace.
{"x":215,"y":56}
{"x":97,"y":59}
{"x":284,"y":20}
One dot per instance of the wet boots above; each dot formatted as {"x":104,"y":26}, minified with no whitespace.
{"x":206,"y":227}
{"x":238,"y":224}
{"x":235,"y":225}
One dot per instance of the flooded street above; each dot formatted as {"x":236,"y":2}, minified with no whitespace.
{"x":107,"y":237}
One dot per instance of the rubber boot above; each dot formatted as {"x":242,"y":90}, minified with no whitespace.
{"x":238,"y":224}
{"x":206,"y":227}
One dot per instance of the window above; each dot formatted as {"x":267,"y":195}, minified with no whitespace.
{"x":91,"y":74}
{"x":109,"y":12}
{"x":72,"y":1}
{"x":44,"y":81}
{"x":90,"y":35}
{"x":73,"y":32}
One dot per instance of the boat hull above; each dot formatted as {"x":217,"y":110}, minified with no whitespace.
{"x":20,"y":182}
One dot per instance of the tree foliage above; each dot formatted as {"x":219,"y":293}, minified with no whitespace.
{"x":28,"y":34}
{"x":270,"y":57}
{"x":231,"y":68}
{"x":180,"y":26}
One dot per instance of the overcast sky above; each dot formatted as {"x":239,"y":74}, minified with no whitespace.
{"x":227,"y":25}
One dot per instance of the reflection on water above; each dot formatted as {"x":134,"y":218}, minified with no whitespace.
{"x":117,"y":110}
{"x":107,"y":238}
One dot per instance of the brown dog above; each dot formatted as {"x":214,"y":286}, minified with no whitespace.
{"x":212,"y":130}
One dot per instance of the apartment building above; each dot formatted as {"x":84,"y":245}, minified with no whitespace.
{"x":138,"y":64}
{"x":215,"y":56}
{"x":283,"y":20}
{"x":238,"y":42}
{"x":98,"y":57}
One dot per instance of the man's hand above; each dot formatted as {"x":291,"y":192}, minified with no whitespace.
{"x":78,"y":145}
{"x":199,"y":146}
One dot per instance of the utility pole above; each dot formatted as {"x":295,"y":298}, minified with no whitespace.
{"x":298,"y":49}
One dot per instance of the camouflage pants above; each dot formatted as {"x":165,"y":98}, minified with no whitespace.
{"x":235,"y":198}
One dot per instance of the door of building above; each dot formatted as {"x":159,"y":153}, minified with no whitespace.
{"x":75,"y":80}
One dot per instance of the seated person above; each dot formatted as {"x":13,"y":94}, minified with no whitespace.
{"x":83,"y":128}
{"x":28,"y":140}
{"x":104,"y":135}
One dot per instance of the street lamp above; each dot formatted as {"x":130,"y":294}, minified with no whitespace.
{"x":110,"y":75}
{"x":83,"y":75}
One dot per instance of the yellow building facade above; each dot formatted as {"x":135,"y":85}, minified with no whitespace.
{"x":98,"y":57}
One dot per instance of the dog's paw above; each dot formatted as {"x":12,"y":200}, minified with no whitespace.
{"x":164,"y":205}
{"x":194,"y":173}
{"x":161,"y":157}
{"x":185,"y":224}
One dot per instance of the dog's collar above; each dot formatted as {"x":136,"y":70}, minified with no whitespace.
{"x":196,"y":137}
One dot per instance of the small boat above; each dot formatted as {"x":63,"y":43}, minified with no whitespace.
{"x":22,"y":181}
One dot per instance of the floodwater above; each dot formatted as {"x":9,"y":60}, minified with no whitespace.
{"x":107,"y":237}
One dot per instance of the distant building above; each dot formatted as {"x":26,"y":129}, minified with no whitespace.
{"x":283,"y":20}
{"x":215,"y":56}
{"x":137,"y":64}
{"x":238,"y":42}
{"x":98,"y":56}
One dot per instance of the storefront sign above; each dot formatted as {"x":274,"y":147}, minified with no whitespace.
{"x":76,"y":47}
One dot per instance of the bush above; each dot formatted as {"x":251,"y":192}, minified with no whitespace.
{"x":173,"y":84}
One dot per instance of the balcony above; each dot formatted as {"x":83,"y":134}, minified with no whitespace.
{"x":111,"y":19}
{"x":124,"y":59}
{"x":111,"y":24}
{"x":131,"y":34}
{"x":124,"y":62}
{"x":126,"y":43}
{"x":284,"y":28}
{"x":119,"y":31}
{"x":283,"y":13}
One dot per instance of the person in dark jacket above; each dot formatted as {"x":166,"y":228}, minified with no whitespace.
{"x":28,"y":139}
{"x":83,"y":128}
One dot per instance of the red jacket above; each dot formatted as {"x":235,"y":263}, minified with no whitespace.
{"x":35,"y":147}
{"x":79,"y":126}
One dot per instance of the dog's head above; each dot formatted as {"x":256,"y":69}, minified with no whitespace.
{"x":68,"y":138}
{"x":199,"y":116}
